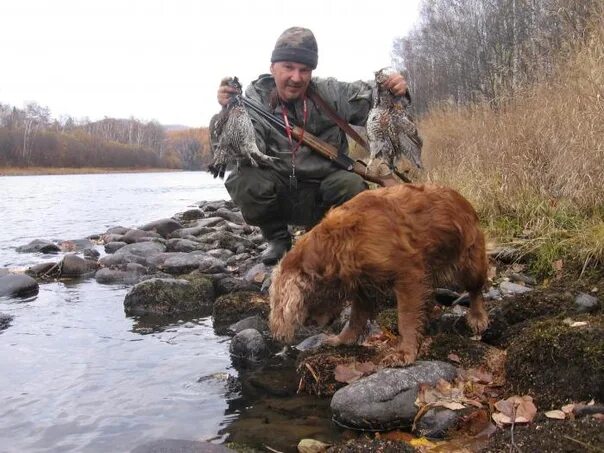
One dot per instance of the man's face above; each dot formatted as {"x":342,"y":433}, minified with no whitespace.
{"x":291,"y":78}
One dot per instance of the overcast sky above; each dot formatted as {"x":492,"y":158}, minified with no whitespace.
{"x":163,"y":60}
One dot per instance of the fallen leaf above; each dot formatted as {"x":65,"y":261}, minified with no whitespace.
{"x":558,"y":415}
{"x":579,"y":324}
{"x":421,"y":442}
{"x":568,"y":408}
{"x":477,"y":375}
{"x":515,"y":409}
{"x":347,"y":373}
{"x":452,"y":405}
{"x":558,"y":265}
{"x":454,"y":358}
{"x":312,"y":446}
{"x":501,"y":419}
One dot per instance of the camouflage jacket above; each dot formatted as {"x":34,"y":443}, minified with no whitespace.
{"x":352,"y":101}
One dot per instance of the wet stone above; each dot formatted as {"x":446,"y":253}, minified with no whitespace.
{"x":5,"y":320}
{"x":509,"y":288}
{"x":586,"y":303}
{"x":39,"y":246}
{"x":162,"y":227}
{"x":18,"y":285}
{"x":113,"y":247}
{"x":386,"y":399}
{"x":248,"y":345}
{"x":251,"y":322}
{"x":435,"y":423}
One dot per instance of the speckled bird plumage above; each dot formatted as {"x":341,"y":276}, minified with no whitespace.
{"x":234,"y":134}
{"x":390,"y":129}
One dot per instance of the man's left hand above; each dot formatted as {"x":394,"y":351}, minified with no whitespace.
{"x":397,"y":84}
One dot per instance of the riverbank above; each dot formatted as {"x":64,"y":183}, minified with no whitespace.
{"x":31,"y":171}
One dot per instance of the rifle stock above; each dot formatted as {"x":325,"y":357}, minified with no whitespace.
{"x":331,"y":153}
{"x":324,"y":149}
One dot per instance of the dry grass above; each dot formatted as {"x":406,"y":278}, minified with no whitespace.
{"x":534,"y":165}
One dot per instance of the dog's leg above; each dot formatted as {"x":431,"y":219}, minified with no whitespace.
{"x":473,"y":275}
{"x":360,"y":312}
{"x":410,"y":291}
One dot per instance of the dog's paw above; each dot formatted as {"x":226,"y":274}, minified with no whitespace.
{"x":397,"y":360}
{"x":477,"y":321}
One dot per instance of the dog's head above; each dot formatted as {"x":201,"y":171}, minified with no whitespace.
{"x":298,"y":300}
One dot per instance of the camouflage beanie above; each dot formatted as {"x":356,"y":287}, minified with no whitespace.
{"x":296,"y":44}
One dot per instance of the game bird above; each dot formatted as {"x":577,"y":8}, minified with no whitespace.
{"x":391,"y":130}
{"x":233,"y":131}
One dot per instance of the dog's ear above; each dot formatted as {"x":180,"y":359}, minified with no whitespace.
{"x":288,"y":305}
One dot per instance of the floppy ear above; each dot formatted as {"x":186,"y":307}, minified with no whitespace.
{"x":288,"y":308}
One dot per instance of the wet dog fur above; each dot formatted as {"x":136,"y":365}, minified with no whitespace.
{"x":405,"y":238}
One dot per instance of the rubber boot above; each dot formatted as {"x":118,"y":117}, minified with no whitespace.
{"x":279,"y":242}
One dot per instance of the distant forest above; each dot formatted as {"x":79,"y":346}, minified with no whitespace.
{"x":30,"y":137}
{"x":465,"y":52}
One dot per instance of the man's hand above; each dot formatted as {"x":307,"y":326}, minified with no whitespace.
{"x":225,"y":91}
{"x":397,"y":84}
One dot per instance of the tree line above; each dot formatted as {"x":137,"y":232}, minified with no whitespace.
{"x":31,"y":137}
{"x":467,"y":51}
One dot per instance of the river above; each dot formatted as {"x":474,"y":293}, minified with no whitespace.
{"x":77,"y":374}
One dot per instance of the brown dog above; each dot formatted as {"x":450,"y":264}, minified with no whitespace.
{"x":405,"y":238}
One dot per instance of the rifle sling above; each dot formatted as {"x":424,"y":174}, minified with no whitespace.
{"x":341,"y":122}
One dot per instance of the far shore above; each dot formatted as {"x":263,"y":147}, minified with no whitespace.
{"x":29,"y":171}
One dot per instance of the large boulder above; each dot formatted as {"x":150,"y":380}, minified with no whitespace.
{"x":233,"y":307}
{"x":166,"y":296}
{"x":18,"y":285}
{"x":248,"y":345}
{"x":386,"y":399}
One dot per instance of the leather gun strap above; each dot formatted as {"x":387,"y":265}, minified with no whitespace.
{"x":343,"y":124}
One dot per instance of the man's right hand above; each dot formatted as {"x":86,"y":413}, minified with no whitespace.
{"x":225,"y":91}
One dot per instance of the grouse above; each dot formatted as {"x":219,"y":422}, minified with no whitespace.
{"x":390,"y":128}
{"x":233,"y":132}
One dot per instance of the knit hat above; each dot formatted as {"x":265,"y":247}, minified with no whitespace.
{"x":296,"y":44}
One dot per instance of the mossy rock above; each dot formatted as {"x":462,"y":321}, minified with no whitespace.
{"x":471,"y":353}
{"x":233,"y":307}
{"x":556,"y":363}
{"x":550,"y":436}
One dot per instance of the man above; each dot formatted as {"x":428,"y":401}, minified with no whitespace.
{"x":299,"y":186}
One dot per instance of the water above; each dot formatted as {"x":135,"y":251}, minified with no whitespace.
{"x":76,"y":373}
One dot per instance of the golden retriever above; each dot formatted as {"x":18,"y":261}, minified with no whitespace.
{"x":405,"y":238}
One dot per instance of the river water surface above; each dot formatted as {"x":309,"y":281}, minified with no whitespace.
{"x":76,"y":373}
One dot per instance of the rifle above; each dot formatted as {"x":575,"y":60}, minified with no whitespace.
{"x":324,"y":149}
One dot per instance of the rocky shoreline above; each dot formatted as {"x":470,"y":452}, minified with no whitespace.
{"x":544,"y":341}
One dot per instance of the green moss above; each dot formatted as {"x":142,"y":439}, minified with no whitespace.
{"x":556,"y":363}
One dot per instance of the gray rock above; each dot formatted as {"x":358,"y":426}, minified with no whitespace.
{"x":230,"y":215}
{"x":38,"y":270}
{"x":5,"y":321}
{"x":193,"y":231}
{"x":258,"y":273}
{"x":168,"y":296}
{"x":386,"y":399}
{"x":133,"y":253}
{"x":586,"y":303}
{"x":111,"y":276}
{"x":114,"y":246}
{"x":162,"y":226}
{"x":248,"y":345}
{"x":180,"y":446}
{"x":18,"y":285}
{"x":226,"y":285}
{"x":117,"y":230}
{"x":75,"y":266}
{"x":509,"y":288}
{"x":311,"y":342}
{"x":91,"y":254}
{"x":136,"y":235}
{"x":181,"y":245}
{"x":436,"y":422}
{"x":493,"y":294}
{"x":252,"y":322}
{"x":522,"y":278}
{"x":192,"y":214}
{"x":39,"y":246}
{"x":184,"y":263}
{"x":107,"y":238}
